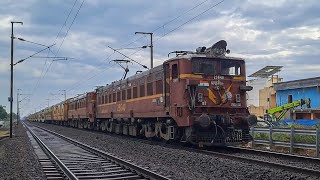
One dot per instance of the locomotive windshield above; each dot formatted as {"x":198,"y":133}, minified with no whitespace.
{"x":203,"y":66}
{"x":230,"y":67}
{"x":210,"y":66}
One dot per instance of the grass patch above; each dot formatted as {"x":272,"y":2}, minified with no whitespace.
{"x":3,"y":132}
{"x":298,"y":138}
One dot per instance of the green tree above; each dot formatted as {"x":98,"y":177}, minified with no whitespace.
{"x":14,"y":115}
{"x":3,"y":113}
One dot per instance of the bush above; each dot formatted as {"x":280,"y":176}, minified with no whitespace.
{"x":298,"y":138}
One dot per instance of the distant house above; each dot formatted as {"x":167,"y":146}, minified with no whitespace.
{"x":262,"y":96}
{"x":291,"y":91}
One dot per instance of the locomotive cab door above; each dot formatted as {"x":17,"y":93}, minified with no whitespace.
{"x":167,"y":84}
{"x":172,"y":82}
{"x":90,"y":105}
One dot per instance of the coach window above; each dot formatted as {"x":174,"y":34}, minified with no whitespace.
{"x":142,"y":90}
{"x":174,"y":71}
{"x":110,"y":98}
{"x":159,"y":87}
{"x":149,"y":88}
{"x":118,"y":96}
{"x":129,"y":93}
{"x":114,"y":97}
{"x":123,"y":93}
{"x":135,"y":92}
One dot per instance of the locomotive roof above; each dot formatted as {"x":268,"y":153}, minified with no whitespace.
{"x":159,"y":68}
{"x":189,"y":56}
{"x":136,"y":76}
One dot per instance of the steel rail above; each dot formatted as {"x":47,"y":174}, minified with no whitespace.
{"x":142,"y":171}
{"x":249,"y":160}
{"x":295,"y":169}
{"x":274,"y":153}
{"x":64,"y":168}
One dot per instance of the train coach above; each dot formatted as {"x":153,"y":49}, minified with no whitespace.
{"x":196,"y":97}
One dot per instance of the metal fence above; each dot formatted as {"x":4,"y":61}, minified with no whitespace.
{"x":290,"y":143}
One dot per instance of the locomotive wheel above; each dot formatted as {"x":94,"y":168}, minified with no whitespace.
{"x":103,"y":126}
{"x":85,"y":125}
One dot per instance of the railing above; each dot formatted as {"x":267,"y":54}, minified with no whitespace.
{"x":287,"y":137}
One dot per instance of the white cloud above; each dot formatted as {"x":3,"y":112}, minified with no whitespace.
{"x":262,"y":32}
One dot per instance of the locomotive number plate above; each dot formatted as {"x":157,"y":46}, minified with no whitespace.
{"x":218,"y":77}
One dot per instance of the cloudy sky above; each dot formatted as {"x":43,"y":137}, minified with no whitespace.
{"x":273,"y":32}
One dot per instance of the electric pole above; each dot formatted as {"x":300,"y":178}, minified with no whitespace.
{"x":18,"y":115}
{"x":11,"y":79}
{"x":151,"y":46}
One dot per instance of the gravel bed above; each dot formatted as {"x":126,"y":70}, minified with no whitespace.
{"x":305,"y":163}
{"x":175,"y":163}
{"x":17,"y":157}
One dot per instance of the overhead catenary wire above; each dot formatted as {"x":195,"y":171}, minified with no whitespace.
{"x":44,"y":67}
{"x":63,"y":39}
{"x":188,"y":21}
{"x":44,"y":72}
{"x":159,"y":27}
{"x":170,"y":30}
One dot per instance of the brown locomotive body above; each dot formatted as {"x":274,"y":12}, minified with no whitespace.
{"x":80,"y":111}
{"x":196,"y":97}
{"x":58,"y":112}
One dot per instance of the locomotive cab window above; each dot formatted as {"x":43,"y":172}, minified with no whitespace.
{"x":232,"y":68}
{"x":205,"y":66}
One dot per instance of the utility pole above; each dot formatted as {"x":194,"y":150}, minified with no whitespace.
{"x":151,"y":46}
{"x":18,"y":115}
{"x":11,"y":80}
{"x":48,"y":102}
{"x":18,"y":103}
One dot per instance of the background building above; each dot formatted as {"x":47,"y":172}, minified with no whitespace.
{"x":263,"y":95}
{"x":290,"y":91}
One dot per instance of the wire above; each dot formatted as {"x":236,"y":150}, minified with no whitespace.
{"x":156,"y":30}
{"x":64,"y":24}
{"x":64,"y":39}
{"x":178,"y":27}
{"x":70,"y":26}
{"x":165,"y":33}
{"x":190,"y":20}
{"x":166,"y":23}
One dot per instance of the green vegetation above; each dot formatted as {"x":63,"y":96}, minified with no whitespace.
{"x":4,"y":116}
{"x":3,"y":132}
{"x":3,"y":113}
{"x":298,"y":138}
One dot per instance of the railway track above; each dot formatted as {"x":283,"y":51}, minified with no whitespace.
{"x":277,"y":165}
{"x":251,"y":156}
{"x":66,"y":158}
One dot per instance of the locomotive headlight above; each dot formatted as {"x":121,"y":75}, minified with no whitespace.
{"x":204,"y":121}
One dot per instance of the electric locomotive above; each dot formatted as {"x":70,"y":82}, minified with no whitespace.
{"x":196,"y":97}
